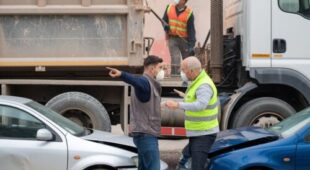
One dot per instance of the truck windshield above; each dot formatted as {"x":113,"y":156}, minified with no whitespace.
{"x":63,"y":122}
{"x":292,"y":124}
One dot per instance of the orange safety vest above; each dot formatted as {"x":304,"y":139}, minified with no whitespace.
{"x":178,"y":24}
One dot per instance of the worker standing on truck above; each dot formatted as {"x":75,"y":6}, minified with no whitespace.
{"x":180,"y":33}
{"x":145,"y":119}
{"x":201,"y":105}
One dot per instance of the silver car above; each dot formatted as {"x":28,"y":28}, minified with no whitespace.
{"x":34,"y":137}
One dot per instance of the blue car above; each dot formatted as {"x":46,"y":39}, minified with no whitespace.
{"x":285,"y":146}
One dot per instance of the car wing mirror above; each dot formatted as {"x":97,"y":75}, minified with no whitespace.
{"x":44,"y":135}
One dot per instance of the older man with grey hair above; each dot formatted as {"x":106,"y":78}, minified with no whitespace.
{"x":201,"y":106}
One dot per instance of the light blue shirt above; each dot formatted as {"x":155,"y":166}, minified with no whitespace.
{"x":203,"y":95}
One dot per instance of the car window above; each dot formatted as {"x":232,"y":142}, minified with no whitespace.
{"x":15,"y":123}
{"x":301,"y":7}
{"x":63,"y":122}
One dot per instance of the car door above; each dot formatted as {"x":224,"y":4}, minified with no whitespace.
{"x":302,"y":152}
{"x":290,"y":35}
{"x":19,"y":148}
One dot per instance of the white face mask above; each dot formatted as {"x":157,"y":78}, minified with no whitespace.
{"x":183,"y":76}
{"x":176,"y":1}
{"x":160,"y":75}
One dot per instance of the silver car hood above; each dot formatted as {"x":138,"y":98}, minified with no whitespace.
{"x":106,"y":137}
{"x":120,"y":141}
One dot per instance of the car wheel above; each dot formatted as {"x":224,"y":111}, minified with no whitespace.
{"x":82,"y":109}
{"x":263,"y":112}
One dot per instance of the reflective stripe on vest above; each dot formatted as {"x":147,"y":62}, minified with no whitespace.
{"x":205,"y":119}
{"x":202,"y":132}
{"x":199,"y":119}
{"x":178,"y":24}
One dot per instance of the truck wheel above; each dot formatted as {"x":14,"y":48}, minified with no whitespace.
{"x":82,"y":109}
{"x":263,"y":112}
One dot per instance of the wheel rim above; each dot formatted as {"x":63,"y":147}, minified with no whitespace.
{"x":266,"y":119}
{"x":79,"y":117}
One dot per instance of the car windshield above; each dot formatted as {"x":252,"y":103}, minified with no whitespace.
{"x":292,"y":124}
{"x":63,"y":122}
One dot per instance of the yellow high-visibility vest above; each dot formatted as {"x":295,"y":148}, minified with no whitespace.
{"x":205,"y":119}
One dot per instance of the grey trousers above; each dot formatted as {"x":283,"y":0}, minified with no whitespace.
{"x":178,"y":48}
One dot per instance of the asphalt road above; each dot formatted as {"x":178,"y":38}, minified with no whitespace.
{"x":170,"y":151}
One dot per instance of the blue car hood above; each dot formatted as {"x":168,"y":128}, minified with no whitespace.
{"x":241,"y":138}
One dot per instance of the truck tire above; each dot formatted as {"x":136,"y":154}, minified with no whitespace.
{"x":81,"y":108}
{"x":263,"y":112}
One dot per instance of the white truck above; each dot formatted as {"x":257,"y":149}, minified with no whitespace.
{"x":266,"y":56}
{"x":55,"y":52}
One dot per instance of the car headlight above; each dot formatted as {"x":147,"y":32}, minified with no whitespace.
{"x":136,"y":160}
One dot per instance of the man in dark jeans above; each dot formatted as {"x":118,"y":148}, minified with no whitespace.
{"x":145,"y":119}
{"x":201,"y":106}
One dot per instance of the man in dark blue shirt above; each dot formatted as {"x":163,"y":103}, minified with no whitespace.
{"x":140,"y":84}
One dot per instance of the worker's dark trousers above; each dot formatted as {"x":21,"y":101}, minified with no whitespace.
{"x":185,"y":156}
{"x":199,"y":148}
{"x":179,"y":49}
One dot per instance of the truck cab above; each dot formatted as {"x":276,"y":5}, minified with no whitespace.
{"x":271,"y":60}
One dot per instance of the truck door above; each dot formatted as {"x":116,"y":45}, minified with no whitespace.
{"x":290,"y":35}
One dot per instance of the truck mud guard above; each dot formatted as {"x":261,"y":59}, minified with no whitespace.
{"x":228,"y":108}
{"x":283,"y":76}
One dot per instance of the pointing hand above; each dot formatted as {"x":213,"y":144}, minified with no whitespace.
{"x":114,"y":73}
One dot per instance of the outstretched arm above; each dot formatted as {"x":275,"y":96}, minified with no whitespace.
{"x":140,"y":83}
